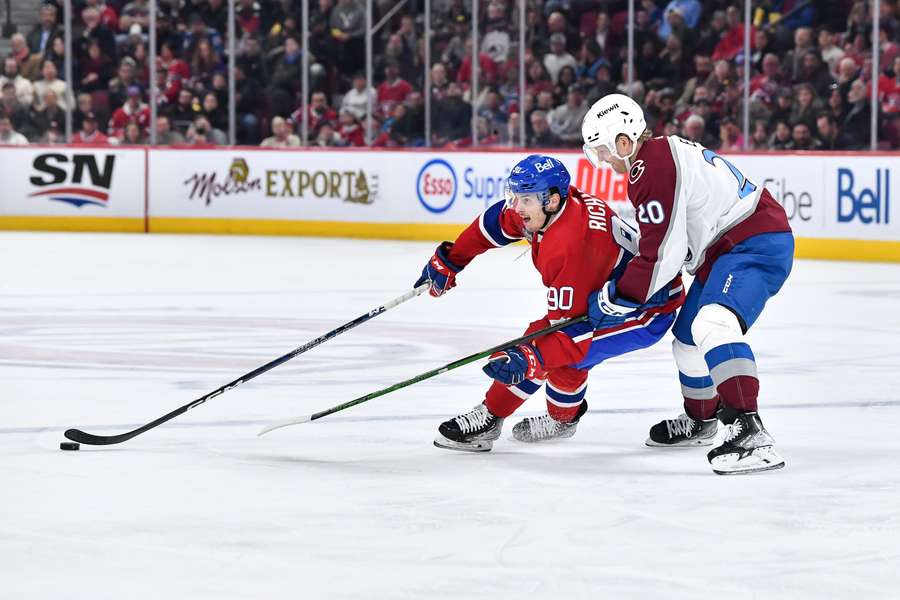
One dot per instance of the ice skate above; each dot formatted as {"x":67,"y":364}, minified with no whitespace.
{"x":683,"y":431}
{"x":474,"y":431}
{"x":545,"y":427}
{"x":748,"y":448}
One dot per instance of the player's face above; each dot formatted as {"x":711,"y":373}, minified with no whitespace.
{"x":605,"y":155}
{"x":530,"y":208}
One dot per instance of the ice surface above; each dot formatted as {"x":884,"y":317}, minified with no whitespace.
{"x":107,"y":332}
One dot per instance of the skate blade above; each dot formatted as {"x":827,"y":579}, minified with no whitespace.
{"x":447,"y":444}
{"x":689,"y":442}
{"x":758,"y":461}
{"x":531,"y":440}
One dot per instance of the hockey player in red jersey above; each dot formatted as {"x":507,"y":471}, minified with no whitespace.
{"x":577,"y":244}
{"x":697,"y":211}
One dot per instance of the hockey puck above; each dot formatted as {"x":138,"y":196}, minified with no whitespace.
{"x":70,"y":446}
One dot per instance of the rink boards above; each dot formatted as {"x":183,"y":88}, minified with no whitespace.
{"x":839,"y":205}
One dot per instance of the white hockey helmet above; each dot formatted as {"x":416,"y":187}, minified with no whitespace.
{"x":611,"y":116}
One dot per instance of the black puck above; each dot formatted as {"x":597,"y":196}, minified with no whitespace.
{"x":69,"y":446}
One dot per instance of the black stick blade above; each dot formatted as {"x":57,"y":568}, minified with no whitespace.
{"x":82,"y":437}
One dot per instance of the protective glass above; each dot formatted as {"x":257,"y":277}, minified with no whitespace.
{"x":597,"y":155}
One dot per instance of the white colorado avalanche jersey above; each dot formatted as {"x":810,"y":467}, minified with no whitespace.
{"x":691,"y":206}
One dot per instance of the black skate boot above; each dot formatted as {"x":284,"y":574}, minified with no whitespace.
{"x":747,"y":448}
{"x":545,"y":427}
{"x":474,"y":431}
{"x":683,"y":431}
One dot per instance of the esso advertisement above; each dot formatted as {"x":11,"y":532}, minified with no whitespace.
{"x":459,"y":187}
{"x":437,"y":186}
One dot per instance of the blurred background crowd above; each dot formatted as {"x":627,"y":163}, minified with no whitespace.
{"x":810,"y":65}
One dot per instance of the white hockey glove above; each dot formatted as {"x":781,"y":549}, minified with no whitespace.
{"x":610,"y":305}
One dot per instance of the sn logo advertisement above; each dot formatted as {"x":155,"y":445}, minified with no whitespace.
{"x":863,"y":198}
{"x":78,"y":179}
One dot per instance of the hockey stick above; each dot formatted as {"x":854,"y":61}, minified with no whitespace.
{"x":76,"y":435}
{"x":440,"y":370}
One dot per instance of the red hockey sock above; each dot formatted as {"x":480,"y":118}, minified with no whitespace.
{"x":501,"y":401}
{"x":564,"y":414}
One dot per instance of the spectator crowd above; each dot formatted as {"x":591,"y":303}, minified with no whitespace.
{"x":810,"y":69}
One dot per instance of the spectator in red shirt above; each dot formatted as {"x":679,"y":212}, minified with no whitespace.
{"x":248,"y":16}
{"x":733,"y":40}
{"x":393,"y":90}
{"x":487,"y":68}
{"x":89,"y":133}
{"x":771,"y":74}
{"x":132,"y":110}
{"x":318,"y":113}
{"x":889,"y":90}
{"x":108,"y":16}
{"x":177,"y":71}
{"x":349,"y":129}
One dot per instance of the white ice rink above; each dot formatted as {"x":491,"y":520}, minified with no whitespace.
{"x":107,"y":332}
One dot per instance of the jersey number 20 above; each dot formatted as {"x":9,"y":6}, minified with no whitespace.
{"x":651,"y":212}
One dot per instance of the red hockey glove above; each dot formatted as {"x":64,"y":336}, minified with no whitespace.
{"x":439,"y":271}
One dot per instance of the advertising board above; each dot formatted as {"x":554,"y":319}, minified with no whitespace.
{"x":73,"y":188}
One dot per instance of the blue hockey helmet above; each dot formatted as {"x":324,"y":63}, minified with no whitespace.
{"x":541,"y":175}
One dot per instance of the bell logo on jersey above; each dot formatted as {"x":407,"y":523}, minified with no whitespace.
{"x":637,"y":169}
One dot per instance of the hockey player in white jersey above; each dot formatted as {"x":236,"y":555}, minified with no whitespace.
{"x":697,"y":211}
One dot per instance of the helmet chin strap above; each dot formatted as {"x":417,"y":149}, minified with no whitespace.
{"x":549,"y":215}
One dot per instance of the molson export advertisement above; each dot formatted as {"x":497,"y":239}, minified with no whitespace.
{"x":254,"y":191}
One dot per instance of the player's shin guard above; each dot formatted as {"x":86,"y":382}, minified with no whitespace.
{"x":732,"y":369}
{"x":748,"y":447}
{"x":700,"y":397}
{"x":564,"y":401}
{"x":503,"y":400}
{"x":697,"y":426}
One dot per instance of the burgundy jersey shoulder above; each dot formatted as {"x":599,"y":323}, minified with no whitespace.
{"x":653,"y":171}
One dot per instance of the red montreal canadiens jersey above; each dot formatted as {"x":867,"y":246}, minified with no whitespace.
{"x":692,"y":205}
{"x":575,"y":254}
